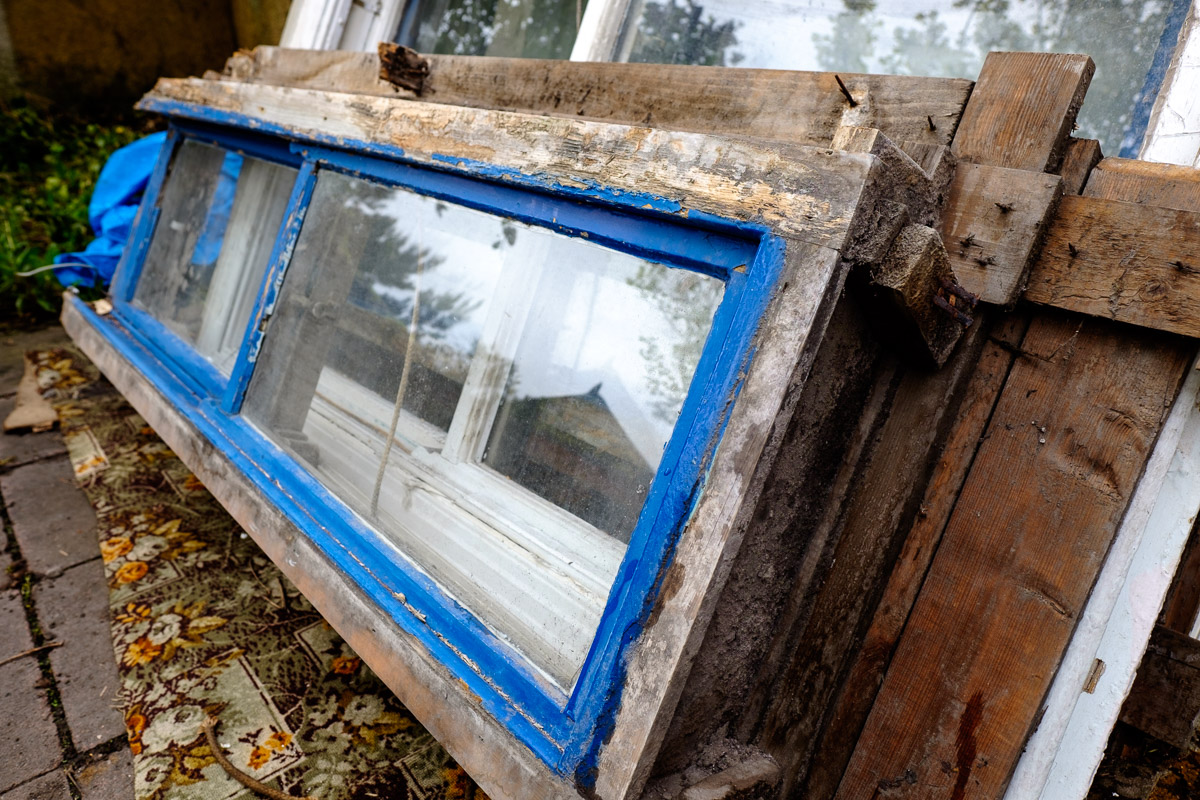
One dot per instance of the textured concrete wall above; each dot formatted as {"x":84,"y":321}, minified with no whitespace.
{"x":96,"y":55}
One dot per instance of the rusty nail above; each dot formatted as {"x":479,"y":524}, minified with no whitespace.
{"x":845,"y":91}
{"x":1004,"y":207}
{"x":929,"y":119}
{"x":949,"y":308}
{"x":968,"y":240}
{"x":1072,"y":250}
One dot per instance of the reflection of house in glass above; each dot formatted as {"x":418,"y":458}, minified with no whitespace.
{"x":573,"y":451}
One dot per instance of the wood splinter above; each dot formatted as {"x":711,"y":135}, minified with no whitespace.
{"x":403,"y":67}
{"x":849,"y":97}
{"x":209,"y":726}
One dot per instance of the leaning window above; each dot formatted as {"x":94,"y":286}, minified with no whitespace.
{"x":492,"y":397}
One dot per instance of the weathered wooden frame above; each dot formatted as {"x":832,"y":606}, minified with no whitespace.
{"x":812,"y":210}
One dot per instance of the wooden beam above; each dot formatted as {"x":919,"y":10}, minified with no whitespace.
{"x":1124,"y":261}
{"x":1165,"y":185}
{"x":1047,"y":489}
{"x":1081,"y":158}
{"x":1165,"y":699}
{"x":1022,"y":110}
{"x":994,"y":222}
{"x":779,"y":105}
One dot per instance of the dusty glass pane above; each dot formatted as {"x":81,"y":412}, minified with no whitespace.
{"x":508,"y":28}
{"x":490,"y":396}
{"x":944,"y":38}
{"x":598,"y":380}
{"x":219,"y":214}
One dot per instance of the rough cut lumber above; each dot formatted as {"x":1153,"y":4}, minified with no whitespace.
{"x":870,"y":660}
{"x":1165,"y":185}
{"x":778,"y":105}
{"x":1183,"y":602}
{"x":1047,"y":489}
{"x":1129,"y":262}
{"x":1081,"y":158}
{"x":1165,"y":699}
{"x":994,"y":222}
{"x":1023,"y":109}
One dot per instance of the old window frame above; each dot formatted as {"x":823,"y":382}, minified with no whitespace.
{"x":558,"y":728}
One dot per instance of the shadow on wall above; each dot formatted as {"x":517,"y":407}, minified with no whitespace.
{"x":94,"y":56}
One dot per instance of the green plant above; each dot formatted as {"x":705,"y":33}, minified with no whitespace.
{"x":48,"y":166}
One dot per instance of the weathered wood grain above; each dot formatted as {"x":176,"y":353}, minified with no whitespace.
{"x":869,"y":661}
{"x":1047,"y":488}
{"x":1081,"y":158}
{"x":1165,"y":699}
{"x":1022,"y":110}
{"x":779,"y":105}
{"x":1183,"y":602}
{"x":1123,"y":261}
{"x":1165,"y":185}
{"x":994,"y":222}
{"x":808,"y":193}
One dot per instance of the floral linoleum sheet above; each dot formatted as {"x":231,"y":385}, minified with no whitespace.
{"x":204,"y":624}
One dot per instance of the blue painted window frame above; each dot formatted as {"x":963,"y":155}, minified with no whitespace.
{"x":564,"y":730}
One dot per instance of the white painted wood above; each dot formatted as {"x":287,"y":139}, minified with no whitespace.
{"x":370,"y":22}
{"x":315,"y":24}
{"x":600,"y":32}
{"x":1063,"y":753}
{"x":1173,"y":135}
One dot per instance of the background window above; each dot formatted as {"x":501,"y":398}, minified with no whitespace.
{"x":941,"y":38}
{"x":509,"y":28}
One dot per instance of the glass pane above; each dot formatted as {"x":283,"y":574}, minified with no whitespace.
{"x":412,"y":335}
{"x":508,"y":28}
{"x":598,"y":380}
{"x":946,"y":38}
{"x":219,"y":214}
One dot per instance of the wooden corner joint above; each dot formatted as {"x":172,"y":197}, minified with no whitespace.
{"x":904,"y":270}
{"x":403,"y":67}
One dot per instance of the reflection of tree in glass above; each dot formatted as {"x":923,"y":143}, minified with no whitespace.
{"x":671,"y":33}
{"x":1121,"y":35}
{"x":685,"y":301}
{"x":512,"y":28}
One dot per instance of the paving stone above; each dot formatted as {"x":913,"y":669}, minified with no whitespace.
{"x":21,"y":448}
{"x":51,"y":518}
{"x":109,"y":778}
{"x":12,"y":353}
{"x":14,"y":629}
{"x":73,"y":609}
{"x":27,"y":731}
{"x":51,"y":786}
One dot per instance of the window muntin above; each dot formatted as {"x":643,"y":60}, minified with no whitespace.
{"x":544,"y":369}
{"x":506,"y":28}
{"x":219,"y":213}
{"x":942,"y":38}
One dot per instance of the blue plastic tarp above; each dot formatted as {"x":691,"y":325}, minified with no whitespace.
{"x":110,"y":212}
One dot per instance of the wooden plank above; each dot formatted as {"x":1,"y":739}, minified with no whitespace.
{"x":1123,"y":261}
{"x":994,"y":221}
{"x":779,"y":105}
{"x":1048,"y":487}
{"x":1183,"y":601}
{"x":812,"y":194}
{"x":1022,"y":110}
{"x":1165,"y":699}
{"x":1165,"y":185}
{"x":1081,"y":158}
{"x":869,"y":661}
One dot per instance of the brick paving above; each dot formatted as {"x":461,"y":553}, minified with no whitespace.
{"x":60,"y":735}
